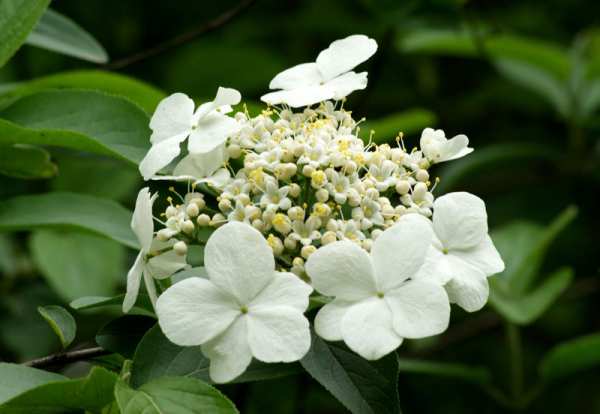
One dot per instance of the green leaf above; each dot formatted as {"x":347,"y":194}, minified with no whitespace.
{"x":67,"y":210}
{"x":526,"y":309}
{"x":17,"y":18}
{"x":409,"y":122}
{"x":539,"y":81}
{"x":77,"y":264}
{"x":523,"y":250}
{"x":140,"y":93}
{"x":91,"y":393}
{"x":156,"y":356}
{"x":25,"y":161}
{"x":61,"y":321}
{"x":361,"y":386}
{"x":122,"y":335}
{"x":546,"y":56}
{"x":172,"y":395}
{"x":474,"y":375}
{"x":143,"y":306}
{"x":81,"y":120}
{"x":571,"y":357}
{"x":16,"y":379}
{"x":492,"y":158}
{"x":60,"y":34}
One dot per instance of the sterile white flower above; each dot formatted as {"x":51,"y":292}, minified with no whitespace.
{"x":155,"y":260}
{"x":330,"y":77}
{"x":244,"y":309}
{"x":462,"y":254}
{"x":175,"y":120}
{"x":378,"y":302}
{"x":437,"y":148}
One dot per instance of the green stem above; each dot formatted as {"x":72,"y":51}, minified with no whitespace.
{"x":515,"y":349}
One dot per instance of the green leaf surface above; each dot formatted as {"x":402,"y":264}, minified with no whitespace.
{"x":571,"y":357}
{"x":91,"y":393}
{"x":67,"y":210}
{"x":492,"y":158}
{"x":526,"y":309}
{"x":84,"y":120}
{"x":16,"y":379}
{"x":173,"y":395}
{"x":60,"y":34}
{"x":77,"y":264}
{"x":62,"y":323}
{"x":409,"y":122}
{"x":123,"y":334}
{"x":143,"y":305}
{"x":156,"y":356}
{"x":138,"y":92}
{"x":17,"y":18}
{"x":544,"y":55}
{"x":523,"y":248}
{"x":475,"y":375}
{"x":26,"y":162}
{"x":361,"y":386}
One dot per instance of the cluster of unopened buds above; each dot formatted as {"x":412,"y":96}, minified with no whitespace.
{"x":297,"y":205}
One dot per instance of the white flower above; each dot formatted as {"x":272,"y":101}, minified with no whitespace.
{"x":377,"y":300}
{"x":306,"y":231}
{"x":148,"y":263}
{"x":330,"y":77}
{"x":202,"y":168}
{"x":175,"y":120}
{"x":349,"y":230}
{"x":384,"y":174}
{"x":245,"y":309}
{"x":462,"y":254}
{"x":242,"y":212}
{"x":274,"y":197}
{"x":437,"y":148}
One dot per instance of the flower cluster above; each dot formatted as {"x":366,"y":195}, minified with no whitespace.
{"x":297,"y":200}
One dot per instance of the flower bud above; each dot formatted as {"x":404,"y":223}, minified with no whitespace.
{"x":224,"y":204}
{"x":275,"y":244}
{"x":296,"y":213}
{"x":307,"y":251}
{"x":180,"y":248}
{"x":322,"y":195}
{"x":243,"y":198}
{"x":295,"y":190}
{"x":402,"y":187}
{"x":376,"y":233}
{"x":422,"y":175}
{"x":307,"y":170}
{"x":171,"y":211}
{"x":318,"y":179}
{"x":328,"y":237}
{"x":234,"y":151}
{"x":290,"y":243}
{"x":218,"y":219}
{"x":281,"y":223}
{"x":192,"y":210}
{"x":419,"y":191}
{"x":258,"y":224}
{"x":188,"y":226}
{"x":203,"y":220}
{"x":163,"y":235}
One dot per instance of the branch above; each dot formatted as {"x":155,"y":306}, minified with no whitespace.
{"x":67,"y":357}
{"x":180,"y":39}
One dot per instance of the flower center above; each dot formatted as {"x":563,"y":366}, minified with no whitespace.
{"x":244,"y":309}
{"x":380,"y":295}
{"x":445,"y":251}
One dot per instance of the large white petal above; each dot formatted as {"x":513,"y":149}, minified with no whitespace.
{"x":484,"y":257}
{"x":347,"y":83}
{"x":142,"y":222}
{"x":173,"y":117}
{"x":239,"y":260}
{"x":160,"y":155}
{"x":342,"y":269}
{"x":278,"y":334}
{"x":194,"y":311}
{"x":419,"y":309}
{"x":400,"y":251}
{"x":165,"y":264}
{"x":286,"y":289}
{"x":224,"y":98}
{"x":455,"y":148}
{"x":150,"y":287}
{"x":299,"y":76}
{"x":328,"y":322}
{"x":470,"y":292}
{"x":218,"y":180}
{"x":345,"y":54}
{"x":229,"y":353}
{"x":134,"y":278}
{"x":298,"y":97}
{"x":367,"y":329}
{"x":212,"y":131}
{"x":436,"y":267}
{"x":201,"y":165}
{"x":459,"y":220}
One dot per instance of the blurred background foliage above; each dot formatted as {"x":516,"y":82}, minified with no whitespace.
{"x":521,"y":79}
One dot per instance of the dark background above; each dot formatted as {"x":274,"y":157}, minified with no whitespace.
{"x":467,"y":94}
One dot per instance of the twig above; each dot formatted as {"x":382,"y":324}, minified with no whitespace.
{"x":180,"y":39}
{"x":67,"y":357}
